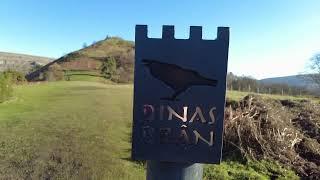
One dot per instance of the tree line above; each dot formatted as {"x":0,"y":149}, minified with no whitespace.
{"x":249,"y":84}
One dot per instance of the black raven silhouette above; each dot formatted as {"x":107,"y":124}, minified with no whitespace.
{"x":176,"y":77}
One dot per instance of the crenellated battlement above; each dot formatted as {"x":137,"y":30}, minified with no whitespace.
{"x":168,"y":33}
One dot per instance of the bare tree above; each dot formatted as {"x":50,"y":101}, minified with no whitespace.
{"x":314,"y":69}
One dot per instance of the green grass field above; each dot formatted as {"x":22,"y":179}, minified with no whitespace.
{"x":81,"y":130}
{"x":67,"y":130}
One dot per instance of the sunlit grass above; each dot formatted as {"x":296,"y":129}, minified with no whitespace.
{"x":68,"y":129}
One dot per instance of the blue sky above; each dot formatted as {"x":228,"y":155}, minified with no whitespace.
{"x":268,"y":38}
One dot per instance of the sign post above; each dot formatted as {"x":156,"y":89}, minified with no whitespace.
{"x":157,"y":170}
{"x":179,"y":100}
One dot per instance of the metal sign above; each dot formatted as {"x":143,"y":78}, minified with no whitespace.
{"x":179,"y":96}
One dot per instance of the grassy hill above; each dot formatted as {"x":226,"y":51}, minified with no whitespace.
{"x":21,"y":62}
{"x":88,"y":61}
{"x":82,"y":130}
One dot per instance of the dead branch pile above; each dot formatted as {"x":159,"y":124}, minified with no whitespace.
{"x":263,"y":128}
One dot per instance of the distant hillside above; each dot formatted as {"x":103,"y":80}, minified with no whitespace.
{"x":21,"y":62}
{"x":296,"y":80}
{"x":88,"y":61}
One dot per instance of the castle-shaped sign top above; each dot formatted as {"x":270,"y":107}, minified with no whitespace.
{"x":179,"y":95}
{"x":168,"y":33}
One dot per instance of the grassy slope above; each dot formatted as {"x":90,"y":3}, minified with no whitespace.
{"x":82,"y":130}
{"x":67,"y":129}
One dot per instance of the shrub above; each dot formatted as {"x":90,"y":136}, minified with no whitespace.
{"x":109,"y":69}
{"x":5,"y":87}
{"x":15,"y":76}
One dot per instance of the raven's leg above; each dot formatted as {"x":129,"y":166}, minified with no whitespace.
{"x":175,"y":95}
